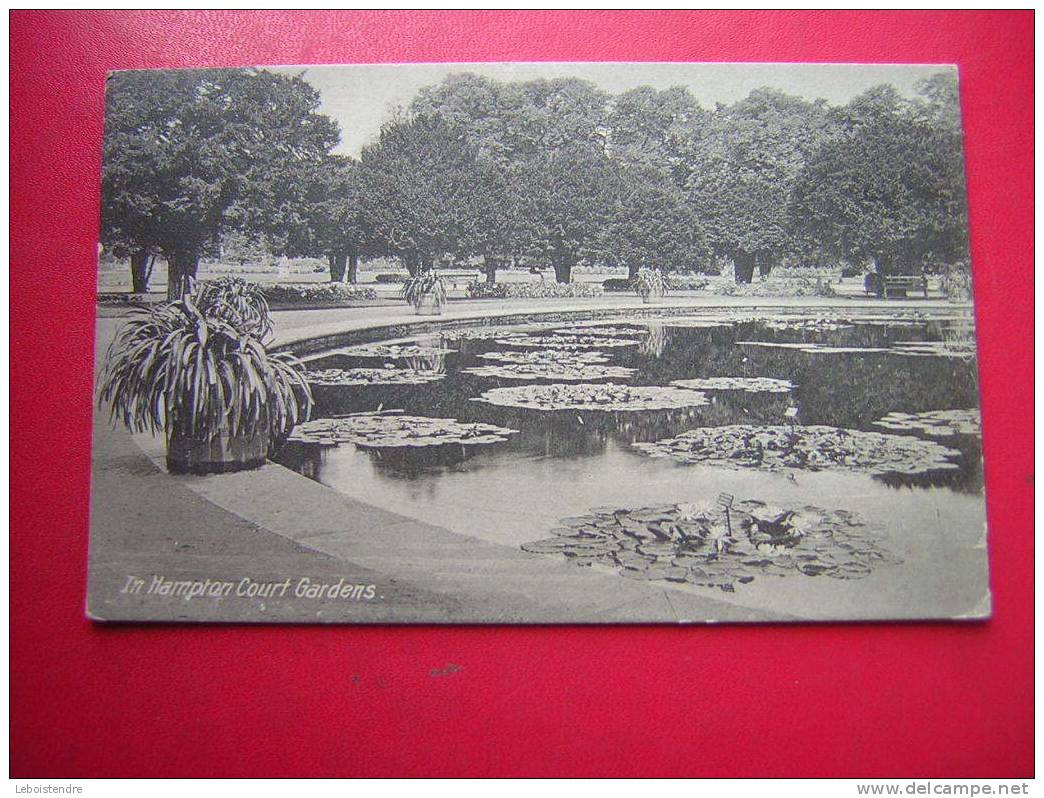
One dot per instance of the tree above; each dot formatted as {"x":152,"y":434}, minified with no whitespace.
{"x":891,"y":188}
{"x":522,"y":135}
{"x":743,"y":168}
{"x":651,"y":225}
{"x":655,"y":130}
{"x":323,"y":216}
{"x":570,"y":198}
{"x":188,"y":153}
{"x":417,"y":184}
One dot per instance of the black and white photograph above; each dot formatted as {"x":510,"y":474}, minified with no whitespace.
{"x":536,"y":343}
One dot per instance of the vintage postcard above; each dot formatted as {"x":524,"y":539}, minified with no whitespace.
{"x":536,"y":343}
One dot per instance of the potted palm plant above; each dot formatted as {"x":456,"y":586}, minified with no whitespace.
{"x":426,"y":292}
{"x":197,"y":369}
{"x":650,"y":285}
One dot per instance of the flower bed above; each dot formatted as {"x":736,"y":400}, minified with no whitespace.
{"x":385,"y":376}
{"x":316,"y":293}
{"x":534,"y":290}
{"x":751,"y":384}
{"x":807,"y":448}
{"x":699,"y":545}
{"x":372,"y":430}
{"x":937,"y":423}
{"x":591,"y":396}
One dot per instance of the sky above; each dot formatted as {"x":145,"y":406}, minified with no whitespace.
{"x":362,"y":97}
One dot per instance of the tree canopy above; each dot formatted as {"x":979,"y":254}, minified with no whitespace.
{"x":557,"y":172}
{"x":890,"y":187}
{"x":188,"y":153}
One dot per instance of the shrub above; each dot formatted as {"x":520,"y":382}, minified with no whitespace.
{"x":429,"y":284}
{"x":687,"y":282}
{"x":391,"y":278}
{"x":197,"y":369}
{"x":316,"y":293}
{"x":617,"y":285}
{"x":535,"y":290}
{"x":957,"y":282}
{"x":649,"y":282}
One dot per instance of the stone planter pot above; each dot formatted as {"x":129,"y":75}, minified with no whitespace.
{"x":428,"y":306}
{"x":219,"y":455}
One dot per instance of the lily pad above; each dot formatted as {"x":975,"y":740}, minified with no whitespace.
{"x":808,"y":448}
{"x":392,"y":430}
{"x":593,"y":396}
{"x":703,"y":544}
{"x":751,"y":384}
{"x":547,"y":356}
{"x":808,"y":324}
{"x":391,"y":351}
{"x":961,"y":349}
{"x":814,"y":348}
{"x":552,"y":371}
{"x":572,"y":341}
{"x":385,"y":376}
{"x":937,"y":423}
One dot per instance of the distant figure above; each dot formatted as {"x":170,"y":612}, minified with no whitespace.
{"x":873,"y":284}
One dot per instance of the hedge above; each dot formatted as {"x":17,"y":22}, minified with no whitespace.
{"x":391,"y":278}
{"x":533,"y":290}
{"x":676,"y":282}
{"x":316,"y":293}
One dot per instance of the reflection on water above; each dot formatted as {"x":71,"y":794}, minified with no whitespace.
{"x":565,"y":462}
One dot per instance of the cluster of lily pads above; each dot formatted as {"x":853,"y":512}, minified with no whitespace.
{"x":962,"y":349}
{"x":814,"y":348}
{"x":750,"y":384}
{"x":382,"y":376}
{"x":593,"y":396}
{"x":546,"y":356}
{"x":708,"y":545}
{"x":813,"y":324}
{"x":571,"y":341}
{"x":544,"y":370}
{"x":937,"y":423}
{"x":808,"y":448}
{"x":392,"y":429}
{"x":391,"y":351}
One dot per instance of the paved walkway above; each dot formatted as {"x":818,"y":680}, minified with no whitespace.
{"x":294,"y":326}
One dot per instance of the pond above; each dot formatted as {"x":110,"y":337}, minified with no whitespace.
{"x":798,"y":464}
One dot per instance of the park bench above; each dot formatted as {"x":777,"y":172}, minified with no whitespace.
{"x":902,"y":286}
{"x":458,"y":279}
{"x":897,"y":285}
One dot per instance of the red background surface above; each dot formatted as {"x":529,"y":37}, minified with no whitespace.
{"x":812,"y":700}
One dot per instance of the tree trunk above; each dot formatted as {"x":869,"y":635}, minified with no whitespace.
{"x":338,"y":262}
{"x":632,"y":271}
{"x":489,"y":263}
{"x":181,"y":272}
{"x":412,"y":263}
{"x":353,"y":267}
{"x":141,"y":270}
{"x":766,"y":261}
{"x":427,"y":262}
{"x":563,"y":263}
{"x":744,"y":263}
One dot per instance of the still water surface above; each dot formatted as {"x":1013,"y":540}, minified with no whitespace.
{"x":565,"y":462}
